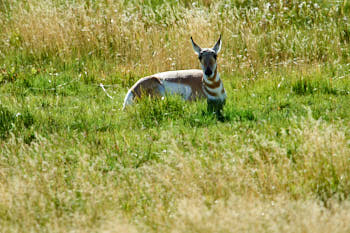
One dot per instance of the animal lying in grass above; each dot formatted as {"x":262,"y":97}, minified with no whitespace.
{"x":190,"y":84}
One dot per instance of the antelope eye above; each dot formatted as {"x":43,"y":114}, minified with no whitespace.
{"x":200,"y":57}
{"x":215,"y":56}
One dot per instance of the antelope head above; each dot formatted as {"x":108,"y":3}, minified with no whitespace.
{"x":207,"y":57}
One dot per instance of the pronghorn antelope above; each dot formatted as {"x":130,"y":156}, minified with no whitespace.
{"x":190,"y":84}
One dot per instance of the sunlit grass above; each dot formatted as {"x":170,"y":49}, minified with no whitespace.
{"x":72,"y":160}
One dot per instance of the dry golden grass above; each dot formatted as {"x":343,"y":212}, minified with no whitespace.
{"x":244,"y":214}
{"x":142,"y":39}
{"x":250,"y":185}
{"x":109,"y":29}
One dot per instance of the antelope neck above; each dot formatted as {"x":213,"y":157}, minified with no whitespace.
{"x":211,"y":82}
{"x":213,"y":86}
{"x":214,"y":77}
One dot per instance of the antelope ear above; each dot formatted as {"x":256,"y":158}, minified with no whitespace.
{"x":217,"y":46}
{"x":196,"y":48}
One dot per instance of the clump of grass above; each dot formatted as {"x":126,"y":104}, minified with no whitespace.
{"x":10,"y":121}
{"x":7,"y":120}
{"x":153,"y":112}
{"x":8,"y":75}
{"x":319,"y":154}
{"x":248,"y":215}
{"x":306,"y":86}
{"x":231,"y":113}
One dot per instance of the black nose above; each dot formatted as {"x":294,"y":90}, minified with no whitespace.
{"x":208,"y":72}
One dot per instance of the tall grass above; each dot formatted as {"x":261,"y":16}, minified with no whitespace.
{"x":132,"y":33}
{"x":72,"y":161}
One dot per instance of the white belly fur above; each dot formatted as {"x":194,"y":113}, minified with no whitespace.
{"x":177,"y":89}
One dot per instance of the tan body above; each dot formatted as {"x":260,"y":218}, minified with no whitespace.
{"x":187,"y":83}
{"x":190,"y":84}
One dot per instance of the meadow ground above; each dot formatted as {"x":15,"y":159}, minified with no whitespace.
{"x":72,"y":161}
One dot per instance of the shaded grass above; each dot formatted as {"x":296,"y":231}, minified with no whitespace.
{"x":10,"y":121}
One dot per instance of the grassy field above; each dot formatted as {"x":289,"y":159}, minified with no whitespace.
{"x":72,"y":161}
